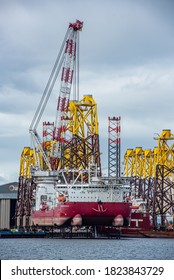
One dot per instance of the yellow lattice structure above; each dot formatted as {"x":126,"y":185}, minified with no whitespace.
{"x":133,"y":161}
{"x":25,"y":193}
{"x":129,"y":162}
{"x":142,"y":163}
{"x":85,"y":116}
{"x":82,"y":124}
{"x":147,"y":163}
{"x":26,"y":160}
{"x":138,"y":162}
{"x":165,"y":148}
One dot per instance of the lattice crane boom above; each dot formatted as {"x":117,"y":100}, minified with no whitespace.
{"x":65,"y":87}
{"x":67,"y":58}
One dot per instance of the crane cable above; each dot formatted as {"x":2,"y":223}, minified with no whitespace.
{"x":49,"y":86}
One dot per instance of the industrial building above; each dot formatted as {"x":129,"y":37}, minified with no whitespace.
{"x":8,"y":198}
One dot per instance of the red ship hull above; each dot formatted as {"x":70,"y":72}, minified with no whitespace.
{"x":84,"y":213}
{"x":139,"y":223}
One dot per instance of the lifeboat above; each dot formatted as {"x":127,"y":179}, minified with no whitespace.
{"x":61,"y":198}
{"x":134,"y":207}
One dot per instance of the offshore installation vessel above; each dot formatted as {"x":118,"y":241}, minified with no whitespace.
{"x":97,"y":202}
{"x":60,"y":180}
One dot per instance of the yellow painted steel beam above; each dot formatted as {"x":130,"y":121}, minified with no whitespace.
{"x":148,"y":163}
{"x":129,"y":162}
{"x":84,"y":115}
{"x":142,"y":163}
{"x":138,"y":162}
{"x":82,"y":124}
{"x":26,"y":160}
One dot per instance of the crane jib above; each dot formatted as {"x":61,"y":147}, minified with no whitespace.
{"x":66,"y":63}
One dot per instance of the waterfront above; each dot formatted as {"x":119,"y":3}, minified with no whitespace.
{"x":85,"y":249}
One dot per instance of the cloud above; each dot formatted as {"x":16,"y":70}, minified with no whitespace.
{"x":127,"y":33}
{"x":139,"y":91}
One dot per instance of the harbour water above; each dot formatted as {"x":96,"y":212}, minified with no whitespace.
{"x":87,"y":249}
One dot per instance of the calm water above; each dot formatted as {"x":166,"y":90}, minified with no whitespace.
{"x":85,"y":249}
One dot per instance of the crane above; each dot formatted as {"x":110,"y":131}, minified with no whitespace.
{"x":66,"y":61}
{"x":69,"y":147}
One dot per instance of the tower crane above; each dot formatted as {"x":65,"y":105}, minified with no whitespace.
{"x":66,"y":61}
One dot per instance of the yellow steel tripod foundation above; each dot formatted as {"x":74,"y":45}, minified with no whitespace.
{"x":25,"y":188}
{"x":152,"y":173}
{"x":142,"y":163}
{"x":83,"y":147}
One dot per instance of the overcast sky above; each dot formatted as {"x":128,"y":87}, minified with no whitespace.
{"x":126,"y":63}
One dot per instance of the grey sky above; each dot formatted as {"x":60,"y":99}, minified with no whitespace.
{"x":126,"y":62}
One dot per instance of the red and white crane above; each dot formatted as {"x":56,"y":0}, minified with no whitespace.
{"x":67,"y":62}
